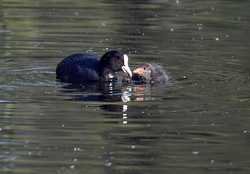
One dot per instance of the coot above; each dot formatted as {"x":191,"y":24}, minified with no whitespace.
{"x":85,"y":68}
{"x":149,"y":73}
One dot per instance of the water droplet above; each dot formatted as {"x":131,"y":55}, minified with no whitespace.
{"x":217,"y":38}
{"x":133,"y":147}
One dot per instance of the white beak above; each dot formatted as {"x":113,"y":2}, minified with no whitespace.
{"x":126,"y":68}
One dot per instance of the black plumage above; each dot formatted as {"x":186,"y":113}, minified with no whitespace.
{"x":86,"y":68}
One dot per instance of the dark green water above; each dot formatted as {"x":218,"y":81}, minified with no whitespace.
{"x":199,"y":124}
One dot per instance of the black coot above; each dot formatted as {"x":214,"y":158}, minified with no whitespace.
{"x":86,"y":68}
{"x":149,"y":73}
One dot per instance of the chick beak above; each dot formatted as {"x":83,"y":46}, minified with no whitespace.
{"x":126,"y":68}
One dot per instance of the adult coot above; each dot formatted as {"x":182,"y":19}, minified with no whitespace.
{"x":149,"y":73}
{"x":85,"y":68}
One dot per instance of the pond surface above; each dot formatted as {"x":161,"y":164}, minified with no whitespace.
{"x":199,"y":123}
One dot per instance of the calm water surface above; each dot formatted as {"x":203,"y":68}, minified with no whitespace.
{"x":199,"y":123}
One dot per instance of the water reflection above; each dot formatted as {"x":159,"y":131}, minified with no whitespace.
{"x":112,"y":92}
{"x":130,"y":144}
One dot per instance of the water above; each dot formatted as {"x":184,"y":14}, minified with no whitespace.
{"x":197,"y":124}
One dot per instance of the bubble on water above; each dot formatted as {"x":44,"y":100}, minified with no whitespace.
{"x":217,"y":38}
{"x":104,"y":24}
{"x":76,"y":13}
{"x":184,"y":77}
{"x":133,"y":147}
{"x":108,"y":164}
{"x":77,"y":149}
{"x":171,"y":29}
{"x":195,"y":152}
{"x":72,"y":166}
{"x":245,"y":131}
{"x":212,"y":8}
{"x":200,"y":26}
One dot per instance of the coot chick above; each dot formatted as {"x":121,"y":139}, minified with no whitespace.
{"x":149,"y":73}
{"x":85,"y":68}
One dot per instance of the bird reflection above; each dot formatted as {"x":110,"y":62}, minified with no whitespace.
{"x":108,"y":92}
{"x":114,"y":97}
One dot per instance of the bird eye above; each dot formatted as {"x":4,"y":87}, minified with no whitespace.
{"x":144,"y":68}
